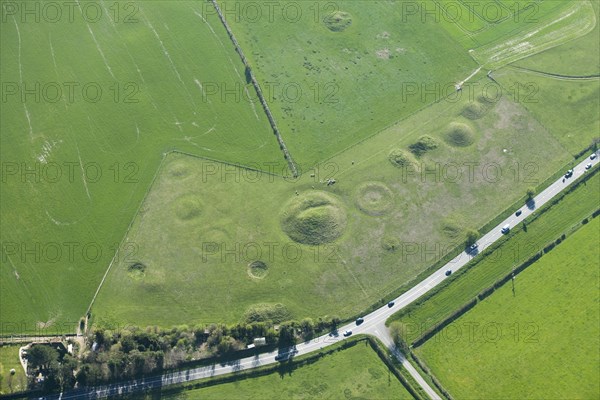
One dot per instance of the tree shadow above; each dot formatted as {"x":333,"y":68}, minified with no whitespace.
{"x":530,"y":204}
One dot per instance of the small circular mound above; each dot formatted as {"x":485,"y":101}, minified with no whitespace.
{"x":179,"y":170}
{"x":451,"y":229}
{"x":425,"y":144}
{"x":188,"y":207}
{"x":314,"y":218}
{"x":399,"y":158}
{"x":136,"y":270}
{"x":473,"y":111}
{"x":258,"y":269}
{"x":459,"y":135}
{"x":390,"y":244}
{"x":374,"y":198}
{"x":338,"y":21}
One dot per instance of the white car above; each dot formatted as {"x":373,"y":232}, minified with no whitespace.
{"x":593,"y":156}
{"x":588,"y":166}
{"x":505,"y":229}
{"x":347,"y":333}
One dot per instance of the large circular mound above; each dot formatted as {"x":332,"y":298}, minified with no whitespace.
{"x":314,"y":218}
{"x":459,"y":135}
{"x":374,"y":198}
{"x":338,"y":21}
{"x":258,"y":269}
{"x":473,"y":111}
{"x":399,"y":158}
{"x":187,"y":207}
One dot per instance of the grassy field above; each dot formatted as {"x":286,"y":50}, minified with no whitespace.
{"x":329,"y":87}
{"x":540,"y":341}
{"x":565,"y":214}
{"x":204,"y":223}
{"x":356,"y":372}
{"x":94,"y":156}
{"x":559,"y":60}
{"x":9,"y":359}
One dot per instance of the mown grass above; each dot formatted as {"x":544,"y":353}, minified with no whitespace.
{"x":356,"y":372}
{"x":538,"y":341}
{"x":165,"y":55}
{"x":570,"y":211}
{"x":9,"y":359}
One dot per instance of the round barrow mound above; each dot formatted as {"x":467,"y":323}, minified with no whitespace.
{"x":338,"y":21}
{"x":374,"y":198}
{"x":390,"y":244}
{"x":473,"y":111}
{"x":399,"y":158}
{"x":179,"y":170}
{"x":314,"y":218}
{"x":258,"y":269}
{"x":459,"y":135}
{"x":187,"y":207}
{"x":136,"y":270}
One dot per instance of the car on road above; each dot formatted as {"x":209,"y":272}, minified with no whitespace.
{"x":569,"y":173}
{"x":518,"y":213}
{"x":505,"y":229}
{"x":347,"y":333}
{"x":449,"y":272}
{"x":593,"y":156}
{"x":391,"y":304}
{"x":588,"y":166}
{"x":359,"y":320}
{"x":473,"y":248}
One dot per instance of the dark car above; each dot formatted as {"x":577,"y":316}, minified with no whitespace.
{"x":518,"y":213}
{"x":360,"y":320}
{"x":449,"y":272}
{"x":391,"y":304}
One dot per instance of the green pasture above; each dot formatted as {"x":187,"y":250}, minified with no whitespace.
{"x":570,"y":211}
{"x":356,"y":372}
{"x":9,"y":359}
{"x":93,"y":158}
{"x":539,"y":340}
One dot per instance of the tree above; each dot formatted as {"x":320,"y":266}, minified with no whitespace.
{"x":396,"y":330}
{"x":530,"y":193}
{"x":472,"y":236}
{"x":40,"y":356}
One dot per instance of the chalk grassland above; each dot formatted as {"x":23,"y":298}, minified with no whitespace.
{"x":569,"y":108}
{"x":356,"y":372}
{"x":9,"y":359}
{"x":339,"y":248}
{"x":548,"y":341}
{"x":567,"y":89}
{"x":559,"y":219}
{"x":150,"y":72}
{"x":330,"y":88}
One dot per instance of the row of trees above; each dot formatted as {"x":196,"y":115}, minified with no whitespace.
{"x":132,"y":352}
